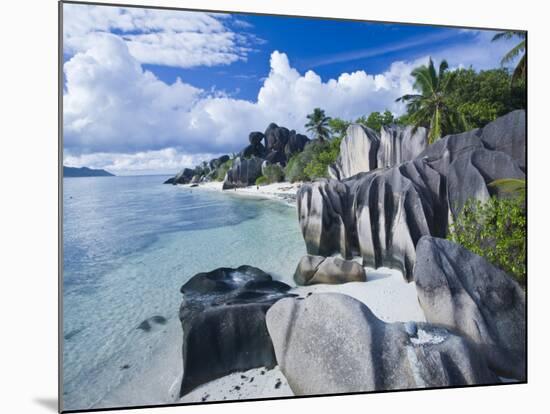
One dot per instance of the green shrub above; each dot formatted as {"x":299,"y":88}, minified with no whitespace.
{"x":294,"y":170}
{"x":274,"y":173}
{"x":313,"y":161}
{"x":495,"y":230}
{"x":222,"y":170}
{"x":262,"y":180}
{"x":318,"y":166}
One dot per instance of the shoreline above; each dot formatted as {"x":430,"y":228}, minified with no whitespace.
{"x":284,"y":192}
{"x":383,"y":289}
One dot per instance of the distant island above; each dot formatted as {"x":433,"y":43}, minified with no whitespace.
{"x":85,"y":172}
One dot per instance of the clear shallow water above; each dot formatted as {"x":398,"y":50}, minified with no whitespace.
{"x":129,"y":245}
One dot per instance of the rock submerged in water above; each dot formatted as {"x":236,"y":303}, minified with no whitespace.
{"x":331,"y":343}
{"x":330,"y":270}
{"x":183,"y":177}
{"x":223,"y":320}
{"x":464,"y":292}
{"x":148,"y":323}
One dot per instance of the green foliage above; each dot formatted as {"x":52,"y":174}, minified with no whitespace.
{"x":495,"y":230}
{"x":520,"y":71}
{"x":273,"y":173}
{"x":338,"y":127}
{"x":376,"y":120}
{"x":313,"y":161}
{"x":514,"y":186}
{"x":481,"y":97}
{"x":261,"y":180}
{"x":430,"y":108}
{"x":318,"y":166}
{"x":318,"y":124}
{"x":404,"y":120}
{"x":295,"y":168}
{"x":222,"y":170}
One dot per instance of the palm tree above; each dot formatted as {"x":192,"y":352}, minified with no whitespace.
{"x":338,"y":127}
{"x":521,"y":68}
{"x":430,"y":108}
{"x":318,"y":124}
{"x":514,"y":186}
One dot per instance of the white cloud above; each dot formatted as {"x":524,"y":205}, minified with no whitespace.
{"x":480,"y":53}
{"x":111,"y":105}
{"x":383,"y":50}
{"x":146,"y":162}
{"x":162,"y":37}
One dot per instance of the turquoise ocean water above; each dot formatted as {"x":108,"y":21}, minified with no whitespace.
{"x":129,"y":244}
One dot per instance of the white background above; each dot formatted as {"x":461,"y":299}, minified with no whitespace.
{"x":28,"y":206}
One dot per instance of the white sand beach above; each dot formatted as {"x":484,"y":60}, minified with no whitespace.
{"x":385,"y":292}
{"x":251,"y":384}
{"x":283,"y":191}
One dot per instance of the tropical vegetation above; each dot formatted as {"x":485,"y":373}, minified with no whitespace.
{"x":318,"y":124}
{"x":520,"y":71}
{"x":430,"y":107}
{"x":495,"y":230}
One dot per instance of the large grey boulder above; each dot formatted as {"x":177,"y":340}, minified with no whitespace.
{"x":243,"y":172}
{"x":296,"y":143}
{"x":255,"y":138}
{"x":223,"y":320}
{"x":216,"y":162}
{"x":393,"y":209}
{"x":332,"y":343}
{"x":399,"y":144}
{"x":256,"y":150}
{"x":465,"y":293}
{"x":276,"y":157}
{"x":444,"y":151}
{"x":331,"y":270}
{"x":507,"y":134}
{"x":276,"y":137}
{"x":470,"y":174}
{"x":325,"y":217}
{"x":379,"y":215}
{"x":183,"y":177}
{"x":358,"y":151}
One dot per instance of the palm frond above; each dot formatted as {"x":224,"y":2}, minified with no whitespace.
{"x":510,"y":185}
{"x":508,"y":35}
{"x":513,"y":53}
{"x":408,"y":97}
{"x":443,"y":66}
{"x":521,"y":69}
{"x":423,"y":80}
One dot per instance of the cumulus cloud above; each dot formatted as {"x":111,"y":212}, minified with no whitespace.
{"x":161,"y":37}
{"x":146,"y":162}
{"x":112,"y":105}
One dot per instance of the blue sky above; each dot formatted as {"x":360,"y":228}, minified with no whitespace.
{"x":330,"y":47}
{"x":154,"y":91}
